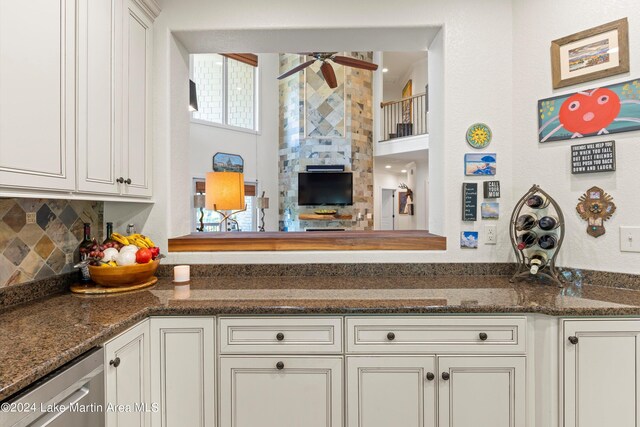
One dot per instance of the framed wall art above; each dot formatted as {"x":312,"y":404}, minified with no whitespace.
{"x":479,"y":164}
{"x":592,"y":54}
{"x":406,"y":105}
{"x":225,"y":162}
{"x":601,"y":111}
{"x":405,"y":203}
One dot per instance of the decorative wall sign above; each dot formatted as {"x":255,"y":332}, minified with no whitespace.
{"x":469,"y":201}
{"x":479,"y":164}
{"x":491,"y":189}
{"x":490,"y":210}
{"x":478,"y":135}
{"x":591,"y":54}
{"x":596,"y":157}
{"x":225,"y":162}
{"x":469,"y":240}
{"x":601,"y":111}
{"x":596,"y":207}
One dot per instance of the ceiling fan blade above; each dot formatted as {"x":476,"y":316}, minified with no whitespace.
{"x":353,"y":62}
{"x":329,"y":75}
{"x":296,"y":69}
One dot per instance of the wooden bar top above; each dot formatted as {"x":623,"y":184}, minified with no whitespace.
{"x":408,"y":240}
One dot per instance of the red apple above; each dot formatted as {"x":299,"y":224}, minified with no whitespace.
{"x":143,"y":256}
{"x":155,"y":251}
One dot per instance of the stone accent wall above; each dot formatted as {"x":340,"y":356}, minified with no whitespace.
{"x":324,"y":126}
{"x":39,"y":250}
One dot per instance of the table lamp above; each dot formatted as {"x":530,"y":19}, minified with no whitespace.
{"x":199,"y":203}
{"x":262,"y":203}
{"x":225,"y":192}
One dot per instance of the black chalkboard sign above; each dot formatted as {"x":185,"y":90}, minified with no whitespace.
{"x":491,"y":189}
{"x":594,"y":157}
{"x":469,"y":201}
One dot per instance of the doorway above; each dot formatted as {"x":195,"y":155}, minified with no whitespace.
{"x":387,"y":209}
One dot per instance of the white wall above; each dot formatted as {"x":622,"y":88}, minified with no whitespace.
{"x":461,"y":97}
{"x":205,"y":141}
{"x":535,"y":25}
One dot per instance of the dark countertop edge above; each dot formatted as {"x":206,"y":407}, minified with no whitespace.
{"x":7,"y":391}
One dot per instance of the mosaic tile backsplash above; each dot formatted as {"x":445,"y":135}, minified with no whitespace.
{"x":37,"y":234}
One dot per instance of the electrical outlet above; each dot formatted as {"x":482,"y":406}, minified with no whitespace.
{"x":68,"y":258}
{"x":31,"y":217}
{"x":629,"y":239}
{"x":490,"y":234}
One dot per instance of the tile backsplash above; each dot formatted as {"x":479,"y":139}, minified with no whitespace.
{"x":37,"y":234}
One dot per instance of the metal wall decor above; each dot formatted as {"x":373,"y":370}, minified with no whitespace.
{"x":527,"y":255}
{"x":596,"y":207}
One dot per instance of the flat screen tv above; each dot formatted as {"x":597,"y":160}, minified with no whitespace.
{"x":325,"y":188}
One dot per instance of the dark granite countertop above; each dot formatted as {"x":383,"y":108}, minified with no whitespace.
{"x":40,"y":336}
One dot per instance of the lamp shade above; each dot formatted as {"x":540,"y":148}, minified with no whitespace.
{"x":224,"y":191}
{"x":198,"y":201}
{"x":193,"y":96}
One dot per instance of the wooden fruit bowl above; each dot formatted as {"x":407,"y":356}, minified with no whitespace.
{"x":126,"y":275}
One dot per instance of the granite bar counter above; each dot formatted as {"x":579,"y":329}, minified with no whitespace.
{"x":40,"y":336}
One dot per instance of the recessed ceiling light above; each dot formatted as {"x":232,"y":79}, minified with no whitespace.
{"x":384,"y":70}
{"x":388,"y":167}
{"x":403,"y":171}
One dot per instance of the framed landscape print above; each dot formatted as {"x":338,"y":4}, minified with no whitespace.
{"x":225,"y":162}
{"x":591,"y":54}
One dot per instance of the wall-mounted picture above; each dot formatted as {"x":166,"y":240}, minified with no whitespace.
{"x":405,"y":203}
{"x":406,"y":105}
{"x":591,"y":54}
{"x":225,"y":162}
{"x":478,"y":135}
{"x":490,"y":210}
{"x":479,"y":164}
{"x":469,"y":240}
{"x":601,"y":111}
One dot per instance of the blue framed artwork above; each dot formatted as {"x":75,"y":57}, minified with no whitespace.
{"x":469,"y":240}
{"x":476,"y":164}
{"x":601,"y":111}
{"x":225,"y":162}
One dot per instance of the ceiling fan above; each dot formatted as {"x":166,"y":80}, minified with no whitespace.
{"x":326,"y":68}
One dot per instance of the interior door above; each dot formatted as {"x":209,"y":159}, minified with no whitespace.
{"x":387,"y":209}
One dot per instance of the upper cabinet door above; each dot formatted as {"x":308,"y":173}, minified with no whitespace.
{"x":37,"y":94}
{"x":99,"y":95}
{"x":137,"y":117}
{"x":601,"y":365}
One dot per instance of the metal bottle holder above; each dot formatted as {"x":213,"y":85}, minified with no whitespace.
{"x":549,"y":270}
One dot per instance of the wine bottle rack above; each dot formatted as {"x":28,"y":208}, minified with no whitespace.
{"x":523,"y":255}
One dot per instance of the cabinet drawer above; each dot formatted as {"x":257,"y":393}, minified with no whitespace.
{"x":281,"y":335}
{"x":436,"y":334}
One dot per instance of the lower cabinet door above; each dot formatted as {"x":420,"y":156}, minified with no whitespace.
{"x":127,"y":378}
{"x":391,"y":391}
{"x":601,"y":367}
{"x":481,"y":391}
{"x":281,"y":391}
{"x":183,"y":371}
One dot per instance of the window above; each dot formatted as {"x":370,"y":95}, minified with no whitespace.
{"x":243,"y":221}
{"x":226,"y":91}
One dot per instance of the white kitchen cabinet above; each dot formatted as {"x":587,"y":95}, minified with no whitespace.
{"x":281,"y":391}
{"x":100,"y":57}
{"x":183,"y":371}
{"x":136,"y":143}
{"x":127,"y":378}
{"x":600,"y":370}
{"x":481,"y":391}
{"x":385,"y":391}
{"x":37,"y":94}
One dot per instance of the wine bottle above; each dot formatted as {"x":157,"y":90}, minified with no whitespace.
{"x":526,"y":222}
{"x":526,"y":240}
{"x":547,"y":241}
{"x":537,"y":261}
{"x":548,"y":222}
{"x":86,"y":245}
{"x":109,"y":242}
{"x":537,"y":201}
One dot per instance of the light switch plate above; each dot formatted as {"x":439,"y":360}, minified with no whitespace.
{"x":31,"y":217}
{"x":490,"y":234}
{"x":629,"y":239}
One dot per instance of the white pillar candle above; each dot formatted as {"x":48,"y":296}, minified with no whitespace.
{"x":181,"y":273}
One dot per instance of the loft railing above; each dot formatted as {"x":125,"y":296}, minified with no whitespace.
{"x":405,"y":117}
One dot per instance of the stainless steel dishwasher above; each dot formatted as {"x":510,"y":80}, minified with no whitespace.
{"x":72,"y":396}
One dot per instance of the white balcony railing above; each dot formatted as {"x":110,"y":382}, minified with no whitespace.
{"x":405,"y":117}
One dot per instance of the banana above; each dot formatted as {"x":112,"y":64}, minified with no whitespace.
{"x":120,"y":238}
{"x":149,"y":242}
{"x":138,"y":242}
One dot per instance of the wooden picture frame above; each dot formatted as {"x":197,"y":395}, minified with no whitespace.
{"x":591,"y":54}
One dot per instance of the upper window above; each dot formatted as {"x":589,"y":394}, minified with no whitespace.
{"x":226,"y":91}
